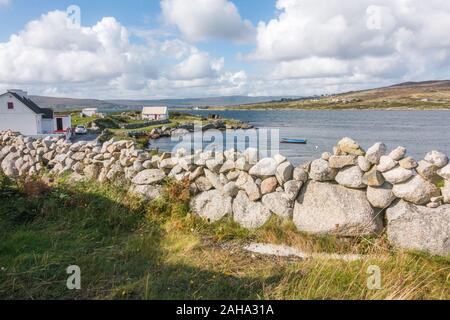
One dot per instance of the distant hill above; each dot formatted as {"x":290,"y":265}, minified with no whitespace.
{"x":61,"y":104}
{"x":426,"y":95}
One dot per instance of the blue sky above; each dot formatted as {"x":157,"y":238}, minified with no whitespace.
{"x":179,"y":48}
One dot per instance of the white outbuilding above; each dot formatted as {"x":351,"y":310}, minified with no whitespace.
{"x":155,"y":113}
{"x":89,"y":112}
{"x":20,"y":114}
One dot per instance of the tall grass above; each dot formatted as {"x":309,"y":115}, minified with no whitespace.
{"x":128,"y":248}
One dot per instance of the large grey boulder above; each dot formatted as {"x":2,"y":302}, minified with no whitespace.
{"x":437,"y":158}
{"x":414,"y":227}
{"x":149,"y":176}
{"x":381,"y":197}
{"x":212,"y":205}
{"x":325,"y":208}
{"x":279,"y":204}
{"x":416,"y":190}
{"x":398,"y":175}
{"x":351,"y":177}
{"x":375,"y":152}
{"x":249,"y":214}
{"x":265,"y":168}
{"x":321,"y":171}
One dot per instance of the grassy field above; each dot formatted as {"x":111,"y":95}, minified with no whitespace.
{"x":128,"y":248}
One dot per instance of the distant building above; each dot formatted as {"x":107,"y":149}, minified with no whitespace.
{"x":155,"y":113}
{"x":89,"y":112}
{"x":20,"y":114}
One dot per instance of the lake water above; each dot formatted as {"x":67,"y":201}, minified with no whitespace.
{"x":418,"y":131}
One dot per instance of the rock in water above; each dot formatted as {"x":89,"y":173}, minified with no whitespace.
{"x":320,"y":171}
{"x":381,"y":197}
{"x":212,"y":205}
{"x":248,"y":214}
{"x":414,"y":227}
{"x":324,"y":208}
{"x":417,"y":190}
{"x":351,"y":177}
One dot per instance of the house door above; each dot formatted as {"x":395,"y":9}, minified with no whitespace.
{"x":59,"y":124}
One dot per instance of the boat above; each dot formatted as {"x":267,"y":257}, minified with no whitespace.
{"x":296,"y":141}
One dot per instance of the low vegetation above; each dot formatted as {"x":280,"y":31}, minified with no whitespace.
{"x":128,"y":248}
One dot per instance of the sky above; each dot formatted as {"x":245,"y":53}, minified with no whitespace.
{"x":151,"y":49}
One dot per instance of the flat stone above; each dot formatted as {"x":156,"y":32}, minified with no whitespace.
{"x":386,"y":164}
{"x":408,"y":163}
{"x":149,"y":176}
{"x":419,"y":228}
{"x":398,"y":153}
{"x":265,"y":168}
{"x":339,"y":162}
{"x":398,"y":175}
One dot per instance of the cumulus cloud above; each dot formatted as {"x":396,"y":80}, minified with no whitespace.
{"x":200,"y":20}
{"x":366,"y":40}
{"x":93,"y":61}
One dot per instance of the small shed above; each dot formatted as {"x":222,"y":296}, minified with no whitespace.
{"x":155,"y":113}
{"x":89,"y":112}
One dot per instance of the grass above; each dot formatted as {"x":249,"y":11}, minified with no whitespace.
{"x":128,"y":248}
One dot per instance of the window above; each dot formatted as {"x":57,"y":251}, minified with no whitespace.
{"x":10,"y":105}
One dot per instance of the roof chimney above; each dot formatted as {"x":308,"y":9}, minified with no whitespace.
{"x":19,"y":92}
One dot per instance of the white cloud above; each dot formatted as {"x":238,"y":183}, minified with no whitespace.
{"x":5,"y":3}
{"x":200,"y":20}
{"x":372,"y":41}
{"x":100,"y":61}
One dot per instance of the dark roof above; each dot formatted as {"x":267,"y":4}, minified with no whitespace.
{"x":48,"y":113}
{"x":33,"y":106}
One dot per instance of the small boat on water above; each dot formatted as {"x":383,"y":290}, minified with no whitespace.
{"x":296,"y":141}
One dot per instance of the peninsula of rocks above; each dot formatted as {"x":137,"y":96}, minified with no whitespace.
{"x":349,"y":192}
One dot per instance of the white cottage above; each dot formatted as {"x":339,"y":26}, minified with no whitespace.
{"x":20,"y":114}
{"x":155,"y":113}
{"x":89,"y":112}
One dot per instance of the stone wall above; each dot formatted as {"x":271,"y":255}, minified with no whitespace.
{"x":349,"y":192}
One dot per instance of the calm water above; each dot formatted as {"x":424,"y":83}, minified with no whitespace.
{"x":418,"y":131}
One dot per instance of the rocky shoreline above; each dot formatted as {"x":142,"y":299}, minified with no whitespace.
{"x":348,"y":192}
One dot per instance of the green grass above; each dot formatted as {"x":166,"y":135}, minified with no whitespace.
{"x":128,"y":248}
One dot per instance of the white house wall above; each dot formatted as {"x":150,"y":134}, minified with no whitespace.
{"x":20,"y":119}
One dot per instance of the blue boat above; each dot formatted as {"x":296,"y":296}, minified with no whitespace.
{"x":296,"y":141}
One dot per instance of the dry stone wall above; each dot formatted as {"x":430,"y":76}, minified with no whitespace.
{"x":344,"y":193}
